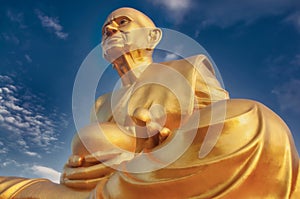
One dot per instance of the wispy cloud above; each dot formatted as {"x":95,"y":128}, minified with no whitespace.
{"x":294,"y":19}
{"x":223,"y":13}
{"x":16,"y":17}
{"x":176,"y":9}
{"x":283,"y":66}
{"x":175,"y":5}
{"x":174,"y":55}
{"x":26,"y":125}
{"x":170,"y":56}
{"x":10,"y":37}
{"x":163,"y":56}
{"x":11,"y":162}
{"x":288,"y":95}
{"x":231,"y":12}
{"x":52,"y":24}
{"x":28,"y":58}
{"x":285,"y":69}
{"x":33,"y":154}
{"x":3,"y":150}
{"x":32,"y":170}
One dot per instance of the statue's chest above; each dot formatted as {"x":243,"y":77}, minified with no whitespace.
{"x":114,"y":108}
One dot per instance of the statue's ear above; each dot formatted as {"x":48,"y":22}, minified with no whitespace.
{"x":154,"y":37}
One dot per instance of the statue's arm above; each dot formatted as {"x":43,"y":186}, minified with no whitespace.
{"x":208,"y":89}
{"x":101,"y":111}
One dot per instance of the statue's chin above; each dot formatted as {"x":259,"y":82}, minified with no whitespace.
{"x":113,"y":52}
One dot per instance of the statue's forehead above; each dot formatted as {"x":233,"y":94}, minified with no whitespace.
{"x":112,"y":17}
{"x":123,"y":12}
{"x":132,"y":14}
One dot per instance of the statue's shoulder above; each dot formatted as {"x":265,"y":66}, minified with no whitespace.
{"x":200,"y":62}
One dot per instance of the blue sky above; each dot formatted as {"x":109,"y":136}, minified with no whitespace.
{"x":254,"y":43}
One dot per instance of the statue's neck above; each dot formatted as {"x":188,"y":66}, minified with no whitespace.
{"x":130,"y":65}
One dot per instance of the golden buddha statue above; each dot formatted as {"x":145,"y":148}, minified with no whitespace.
{"x":171,"y":131}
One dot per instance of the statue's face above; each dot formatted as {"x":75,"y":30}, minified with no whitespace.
{"x":125,"y":30}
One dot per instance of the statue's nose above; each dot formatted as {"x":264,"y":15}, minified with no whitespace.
{"x":110,"y":30}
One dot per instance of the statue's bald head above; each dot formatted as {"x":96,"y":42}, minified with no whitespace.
{"x":140,"y":18}
{"x":128,"y":30}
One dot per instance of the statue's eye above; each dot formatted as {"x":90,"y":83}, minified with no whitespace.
{"x":124,"y":21}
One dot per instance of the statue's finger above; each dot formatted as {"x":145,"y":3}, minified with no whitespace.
{"x":141,"y":116}
{"x":101,"y":156}
{"x":153,"y":128}
{"x":91,"y":172}
{"x":84,"y":184}
{"x":75,"y":161}
{"x":163,"y":134}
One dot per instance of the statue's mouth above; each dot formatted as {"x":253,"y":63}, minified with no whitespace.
{"x":114,"y":41}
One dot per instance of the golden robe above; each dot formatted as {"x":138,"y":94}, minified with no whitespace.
{"x":252,"y":156}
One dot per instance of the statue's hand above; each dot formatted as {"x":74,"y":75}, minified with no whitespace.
{"x":162,"y":99}
{"x":96,"y":148}
{"x":86,"y":172}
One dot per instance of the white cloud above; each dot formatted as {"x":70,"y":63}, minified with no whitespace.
{"x":288,"y":95}
{"x":170,"y":56}
{"x":174,"y":5}
{"x":52,"y":23}
{"x":1,"y":118}
{"x":174,"y":55}
{"x":176,"y":9}
{"x":21,"y":124}
{"x":22,"y":142}
{"x":33,"y":154}
{"x":12,"y":87}
{"x":9,"y":162}
{"x":11,"y":104}
{"x":10,"y":119}
{"x":3,"y":150}
{"x":46,"y":172}
{"x":26,"y":123}
{"x":32,"y":170}
{"x":3,"y":110}
{"x":7,"y":90}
